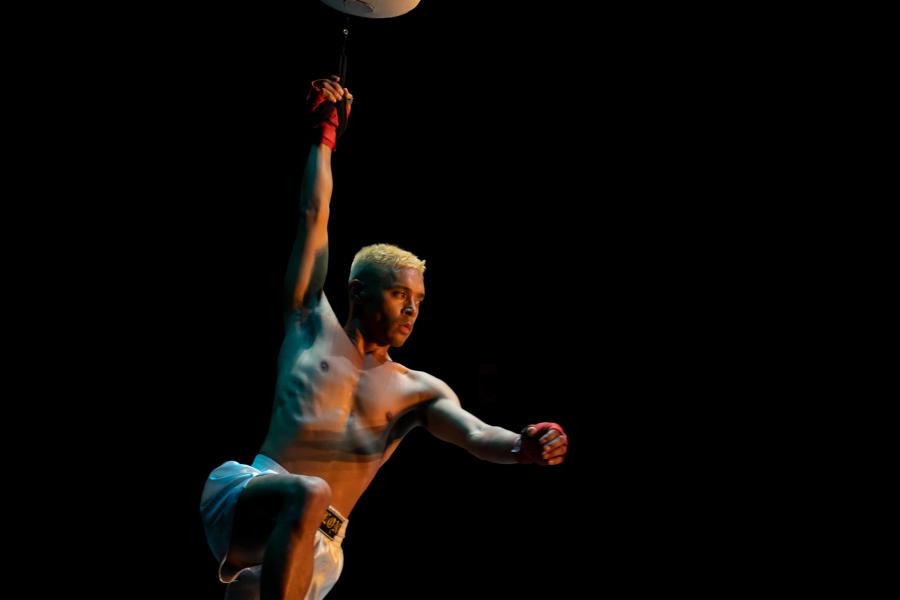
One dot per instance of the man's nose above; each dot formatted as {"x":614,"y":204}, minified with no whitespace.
{"x":410,"y":309}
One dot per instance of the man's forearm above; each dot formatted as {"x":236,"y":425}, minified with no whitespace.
{"x":494,"y":444}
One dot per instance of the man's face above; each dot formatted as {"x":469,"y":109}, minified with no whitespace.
{"x":394,"y":306}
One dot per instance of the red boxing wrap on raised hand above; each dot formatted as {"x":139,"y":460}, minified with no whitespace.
{"x":323,"y":116}
{"x":531,"y":450}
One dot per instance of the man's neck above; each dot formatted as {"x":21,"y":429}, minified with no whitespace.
{"x":365,"y":347}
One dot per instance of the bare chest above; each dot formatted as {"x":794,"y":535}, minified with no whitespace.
{"x":382,"y":394}
{"x":328,"y":394}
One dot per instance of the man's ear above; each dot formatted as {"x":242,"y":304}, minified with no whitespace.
{"x":357,"y":290}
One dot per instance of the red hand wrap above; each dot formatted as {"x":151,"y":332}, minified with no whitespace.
{"x":531,"y":450}
{"x":324,"y":117}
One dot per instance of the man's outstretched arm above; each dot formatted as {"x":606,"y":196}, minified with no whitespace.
{"x":308,"y":264}
{"x":445,"y":418}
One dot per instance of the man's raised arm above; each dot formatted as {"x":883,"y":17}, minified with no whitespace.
{"x":308,"y":264}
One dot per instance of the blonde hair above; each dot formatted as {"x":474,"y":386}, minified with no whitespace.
{"x":385,"y":255}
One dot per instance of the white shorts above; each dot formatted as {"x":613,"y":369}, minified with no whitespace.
{"x":217,"y":506}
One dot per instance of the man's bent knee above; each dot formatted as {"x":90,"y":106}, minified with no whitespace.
{"x":306,"y":495}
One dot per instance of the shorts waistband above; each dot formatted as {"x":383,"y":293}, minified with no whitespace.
{"x":333,"y":525}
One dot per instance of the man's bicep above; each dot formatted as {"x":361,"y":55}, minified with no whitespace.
{"x":447,"y":420}
{"x":309,"y":256}
{"x":305,"y":281}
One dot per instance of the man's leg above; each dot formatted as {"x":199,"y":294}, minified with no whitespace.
{"x":275,"y":524}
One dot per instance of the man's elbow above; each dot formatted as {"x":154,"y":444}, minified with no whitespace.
{"x":476,"y":442}
{"x":316,"y":216}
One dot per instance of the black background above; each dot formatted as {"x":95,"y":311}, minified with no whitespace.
{"x":548,"y":169}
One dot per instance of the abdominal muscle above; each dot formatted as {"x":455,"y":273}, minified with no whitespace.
{"x":345,"y":437}
{"x":348,"y":479}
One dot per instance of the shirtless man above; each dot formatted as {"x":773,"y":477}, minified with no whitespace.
{"x":341,"y":406}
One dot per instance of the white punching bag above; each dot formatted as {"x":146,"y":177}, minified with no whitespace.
{"x":373,"y":9}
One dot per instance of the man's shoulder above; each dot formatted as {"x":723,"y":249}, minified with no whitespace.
{"x":426,"y":385}
{"x":405,"y":372}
